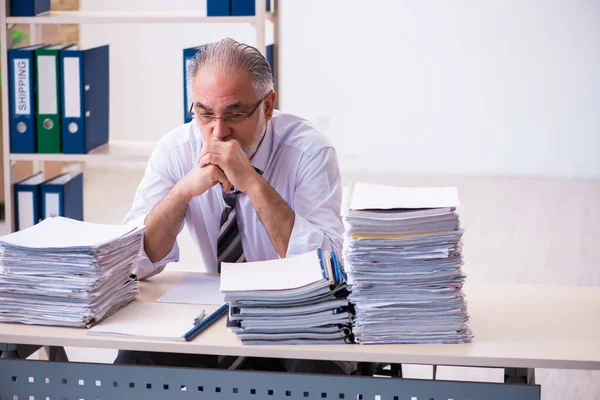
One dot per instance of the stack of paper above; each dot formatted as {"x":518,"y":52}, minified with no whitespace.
{"x":67,"y":272}
{"x":403,"y":254}
{"x":294,"y":300}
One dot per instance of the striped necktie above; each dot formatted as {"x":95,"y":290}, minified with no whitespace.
{"x":229,"y":244}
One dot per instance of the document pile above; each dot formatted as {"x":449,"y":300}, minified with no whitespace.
{"x":403,"y":254}
{"x":67,"y":272}
{"x":294,"y":300}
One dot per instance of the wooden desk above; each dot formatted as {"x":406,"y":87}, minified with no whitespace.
{"x":515,"y":326}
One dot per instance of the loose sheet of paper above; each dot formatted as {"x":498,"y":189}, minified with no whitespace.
{"x":279,"y":274}
{"x":195,"y":290}
{"x":373,"y":196}
{"x":147,"y":320}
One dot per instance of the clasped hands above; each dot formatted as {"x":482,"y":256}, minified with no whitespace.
{"x":219,"y":162}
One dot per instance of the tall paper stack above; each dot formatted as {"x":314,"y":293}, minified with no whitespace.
{"x":403,"y":255}
{"x":67,"y":272}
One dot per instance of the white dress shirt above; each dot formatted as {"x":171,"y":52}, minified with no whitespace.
{"x":297,"y":161}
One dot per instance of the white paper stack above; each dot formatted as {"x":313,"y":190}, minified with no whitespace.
{"x":403,"y":254}
{"x":67,"y":272}
{"x":294,"y":300}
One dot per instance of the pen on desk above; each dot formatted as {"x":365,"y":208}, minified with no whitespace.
{"x":199,"y":318}
{"x":206,"y":322}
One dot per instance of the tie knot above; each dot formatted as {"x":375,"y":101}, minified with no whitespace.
{"x":230,"y":197}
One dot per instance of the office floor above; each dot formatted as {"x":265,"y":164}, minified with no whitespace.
{"x":518,"y":230}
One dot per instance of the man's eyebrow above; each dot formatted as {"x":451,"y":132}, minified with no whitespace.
{"x":200,"y":105}
{"x":235,"y":105}
{"x":232,"y":106}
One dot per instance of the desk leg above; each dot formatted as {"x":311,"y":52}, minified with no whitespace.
{"x":22,"y":351}
{"x":17,"y":351}
{"x":396,"y":370}
{"x":519,"y":375}
{"x":56,"y":353}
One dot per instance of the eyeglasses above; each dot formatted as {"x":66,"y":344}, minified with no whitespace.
{"x":235,"y":118}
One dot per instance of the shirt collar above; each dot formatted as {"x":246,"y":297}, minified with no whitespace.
{"x":263,"y":153}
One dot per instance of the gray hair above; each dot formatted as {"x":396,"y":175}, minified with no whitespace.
{"x":229,"y":56}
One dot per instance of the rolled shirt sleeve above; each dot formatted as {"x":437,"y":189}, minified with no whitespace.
{"x":317,"y":203}
{"x":157,"y":182}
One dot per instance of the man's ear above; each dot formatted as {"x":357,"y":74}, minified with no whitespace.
{"x":270,"y":104}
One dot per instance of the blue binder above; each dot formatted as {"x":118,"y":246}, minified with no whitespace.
{"x":246,"y":7}
{"x":27,"y":201}
{"x":85,"y":90}
{"x":62,"y":196}
{"x":187,"y":96}
{"x":28,"y":8}
{"x":21,"y":87}
{"x":218,"y":8}
{"x":271,"y":59}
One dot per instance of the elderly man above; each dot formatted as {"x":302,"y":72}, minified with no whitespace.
{"x":251,"y":184}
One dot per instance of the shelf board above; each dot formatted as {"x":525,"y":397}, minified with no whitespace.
{"x":117,"y":17}
{"x":116,"y":151}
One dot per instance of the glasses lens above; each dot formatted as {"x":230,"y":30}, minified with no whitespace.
{"x":234,"y":118}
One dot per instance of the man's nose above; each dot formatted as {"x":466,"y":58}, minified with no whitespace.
{"x":220,"y":130}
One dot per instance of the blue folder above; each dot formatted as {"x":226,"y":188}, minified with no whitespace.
{"x":85,"y":91}
{"x":21,"y":88}
{"x":27,"y":201}
{"x":28,"y":8}
{"x":218,"y":8}
{"x":246,"y":7}
{"x":62,"y":196}
{"x":187,"y":97}
{"x":271,"y":59}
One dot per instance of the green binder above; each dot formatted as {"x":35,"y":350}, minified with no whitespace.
{"x":48,"y":98}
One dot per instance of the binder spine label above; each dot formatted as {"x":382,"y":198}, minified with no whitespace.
{"x":52,"y":205}
{"x":72,"y":85}
{"x":22,"y":85}
{"x":47,"y":85}
{"x":26,"y":210}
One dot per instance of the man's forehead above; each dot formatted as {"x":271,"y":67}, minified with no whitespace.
{"x":223,"y":83}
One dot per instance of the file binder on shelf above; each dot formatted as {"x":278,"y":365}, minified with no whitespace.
{"x":27,"y":201}
{"x":48,"y":98}
{"x":218,"y":8}
{"x":271,"y":59}
{"x":62,"y":196}
{"x":85,"y":91}
{"x":21,"y":87}
{"x":188,"y":54}
{"x":246,"y":7}
{"x":28,"y":8}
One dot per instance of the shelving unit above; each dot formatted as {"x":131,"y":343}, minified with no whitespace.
{"x":114,"y":151}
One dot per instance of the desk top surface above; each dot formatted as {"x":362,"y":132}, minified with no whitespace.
{"x":514,"y":325}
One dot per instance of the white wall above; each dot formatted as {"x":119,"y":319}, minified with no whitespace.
{"x":464,"y":87}
{"x":146,"y":64}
